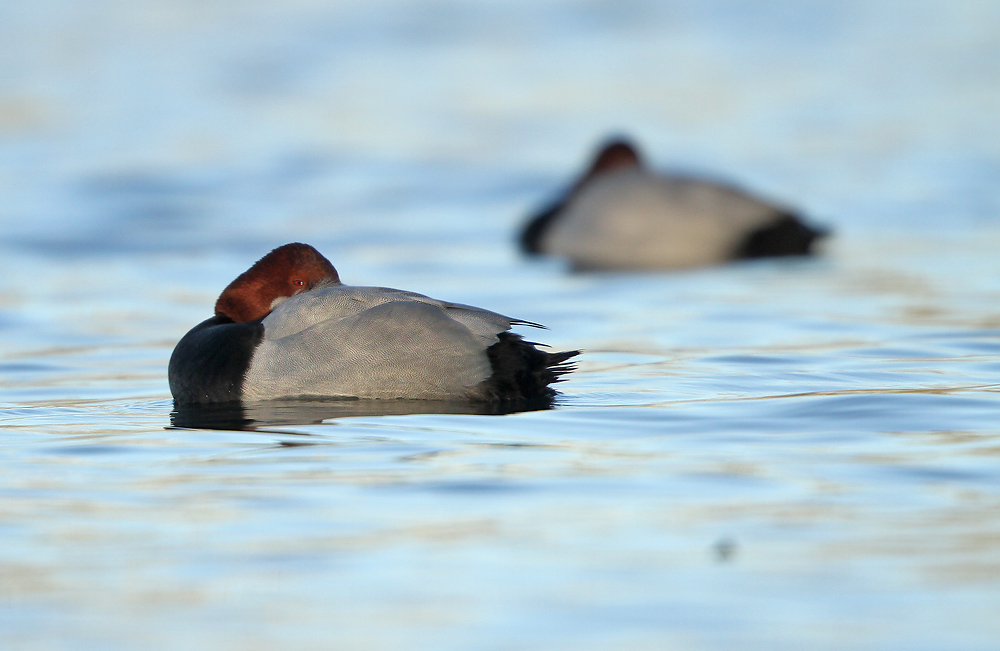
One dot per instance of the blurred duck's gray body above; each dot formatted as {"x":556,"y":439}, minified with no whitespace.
{"x":621,"y":215}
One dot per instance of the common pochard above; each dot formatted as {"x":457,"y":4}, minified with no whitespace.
{"x":621,"y":215}
{"x":288,"y":327}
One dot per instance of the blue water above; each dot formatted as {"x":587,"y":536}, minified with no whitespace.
{"x":793,"y":455}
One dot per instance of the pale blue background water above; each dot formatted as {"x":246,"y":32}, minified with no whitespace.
{"x":776,"y":455}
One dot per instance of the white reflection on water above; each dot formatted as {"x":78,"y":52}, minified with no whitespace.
{"x":780,"y":455}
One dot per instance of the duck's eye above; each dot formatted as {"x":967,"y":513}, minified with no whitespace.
{"x":298,"y":283}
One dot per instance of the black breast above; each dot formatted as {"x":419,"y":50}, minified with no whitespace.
{"x":210,"y":363}
{"x":531,"y":236}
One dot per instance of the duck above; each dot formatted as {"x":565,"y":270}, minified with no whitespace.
{"x":289,"y":328}
{"x":620,"y":215}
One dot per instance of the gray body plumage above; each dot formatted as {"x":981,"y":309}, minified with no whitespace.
{"x":372,"y":342}
{"x":634,"y":219}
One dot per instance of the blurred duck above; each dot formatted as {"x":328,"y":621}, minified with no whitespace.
{"x":621,"y":215}
{"x":288,"y":327}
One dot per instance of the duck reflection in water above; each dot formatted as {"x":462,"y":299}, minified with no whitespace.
{"x":279,"y":413}
{"x":289,"y":344}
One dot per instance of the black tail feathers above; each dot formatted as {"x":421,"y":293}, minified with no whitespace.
{"x":522,"y":372}
{"x":786,"y":235}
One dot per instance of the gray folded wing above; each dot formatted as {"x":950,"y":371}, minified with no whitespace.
{"x":634,"y":219}
{"x":372,"y":342}
{"x":339,"y":301}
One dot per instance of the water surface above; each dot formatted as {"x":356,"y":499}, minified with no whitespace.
{"x":791,"y":454}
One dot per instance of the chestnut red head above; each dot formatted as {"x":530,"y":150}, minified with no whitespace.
{"x":613,"y":155}
{"x":284,"y":272}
